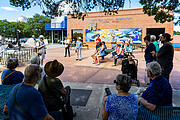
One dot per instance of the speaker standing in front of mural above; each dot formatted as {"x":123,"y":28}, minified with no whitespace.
{"x":78,"y":48}
{"x":67,"y":45}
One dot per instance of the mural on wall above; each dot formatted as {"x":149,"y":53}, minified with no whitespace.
{"x":133,"y":34}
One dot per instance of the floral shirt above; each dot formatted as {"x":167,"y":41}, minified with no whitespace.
{"x":122,"y":107}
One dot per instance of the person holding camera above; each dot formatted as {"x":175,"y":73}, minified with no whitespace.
{"x":41,"y":49}
{"x":123,"y":105}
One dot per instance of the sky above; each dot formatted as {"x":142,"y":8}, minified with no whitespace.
{"x":12,"y":13}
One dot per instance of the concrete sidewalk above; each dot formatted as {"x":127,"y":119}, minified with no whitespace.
{"x":93,"y":108}
{"x":85,"y":75}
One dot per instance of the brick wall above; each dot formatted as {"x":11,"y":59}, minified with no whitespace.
{"x":132,"y":18}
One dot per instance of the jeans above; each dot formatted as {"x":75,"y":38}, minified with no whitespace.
{"x":166,"y":70}
{"x":114,"y":53}
{"x":78,"y":53}
{"x":67,"y":49}
{"x":118,"y":56}
{"x":57,"y":115}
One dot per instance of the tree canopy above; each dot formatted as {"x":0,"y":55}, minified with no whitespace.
{"x":34,"y":26}
{"x":160,"y":9}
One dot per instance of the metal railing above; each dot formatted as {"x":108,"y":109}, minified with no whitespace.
{"x":22,"y":55}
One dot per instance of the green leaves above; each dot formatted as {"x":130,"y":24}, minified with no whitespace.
{"x":34,"y":26}
{"x":162,"y":10}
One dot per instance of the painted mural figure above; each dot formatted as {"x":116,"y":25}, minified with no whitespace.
{"x":113,"y":42}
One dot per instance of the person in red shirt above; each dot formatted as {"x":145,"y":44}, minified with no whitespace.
{"x":98,"y":38}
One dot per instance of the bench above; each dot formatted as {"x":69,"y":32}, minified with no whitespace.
{"x":160,"y":113}
{"x":85,"y":45}
{"x":4,"y":94}
{"x":107,"y":51}
{"x":142,"y":46}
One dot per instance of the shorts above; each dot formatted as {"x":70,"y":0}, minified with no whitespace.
{"x":42,"y":57}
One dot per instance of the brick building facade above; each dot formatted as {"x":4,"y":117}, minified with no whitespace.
{"x":125,"y":19}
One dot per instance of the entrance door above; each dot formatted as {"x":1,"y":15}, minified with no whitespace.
{"x":76,"y":34}
{"x":155,"y":31}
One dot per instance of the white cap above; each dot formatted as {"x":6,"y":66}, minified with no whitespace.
{"x":79,"y":38}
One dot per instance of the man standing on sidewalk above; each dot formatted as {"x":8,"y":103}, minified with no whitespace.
{"x":67,"y":42}
{"x":165,"y":55}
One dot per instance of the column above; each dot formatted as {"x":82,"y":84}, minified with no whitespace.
{"x":52,"y":37}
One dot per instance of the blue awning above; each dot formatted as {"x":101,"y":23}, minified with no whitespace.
{"x":56,"y":26}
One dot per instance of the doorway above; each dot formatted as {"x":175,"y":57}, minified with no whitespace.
{"x":155,"y":31}
{"x":76,"y":34}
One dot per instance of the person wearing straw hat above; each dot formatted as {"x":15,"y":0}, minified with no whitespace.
{"x":78,"y":48}
{"x":25,"y":102}
{"x":41,"y":49}
{"x":53,"y":92}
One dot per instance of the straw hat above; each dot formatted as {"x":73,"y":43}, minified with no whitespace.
{"x":41,"y":36}
{"x":53,"y":68}
{"x":79,"y":38}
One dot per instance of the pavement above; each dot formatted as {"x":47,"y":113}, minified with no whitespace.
{"x":85,"y":75}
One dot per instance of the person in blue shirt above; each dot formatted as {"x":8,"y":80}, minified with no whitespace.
{"x":100,"y":53}
{"x":78,"y":48}
{"x":11,"y":76}
{"x":103,"y":43}
{"x":123,"y":105}
{"x":129,"y":49}
{"x":150,"y":50}
{"x":159,"y":92}
{"x":28,"y":103}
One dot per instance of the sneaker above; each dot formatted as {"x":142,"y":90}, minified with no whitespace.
{"x":65,"y":56}
{"x":113,"y":65}
{"x":79,"y":59}
{"x":97,"y":64}
{"x":93,"y":63}
{"x":76,"y":59}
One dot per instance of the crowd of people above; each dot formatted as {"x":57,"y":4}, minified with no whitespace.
{"x":120,"y":50}
{"x":52,"y":100}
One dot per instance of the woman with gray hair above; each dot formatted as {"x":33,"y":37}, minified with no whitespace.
{"x":159,"y":92}
{"x":154,"y":41}
{"x":11,"y":76}
{"x":36,"y":60}
{"x":123,"y":105}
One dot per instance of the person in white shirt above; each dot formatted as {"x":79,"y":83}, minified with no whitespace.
{"x":41,"y":49}
{"x":1,"y":51}
{"x":67,"y":45}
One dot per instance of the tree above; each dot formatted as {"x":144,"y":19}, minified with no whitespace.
{"x":36,"y":26}
{"x":161,"y":9}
